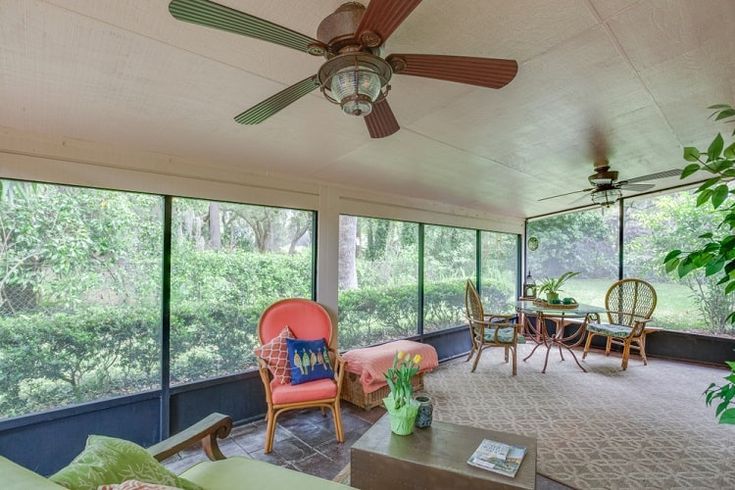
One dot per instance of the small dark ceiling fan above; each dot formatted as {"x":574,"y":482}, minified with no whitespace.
{"x":356,"y":75}
{"x":606,"y":188}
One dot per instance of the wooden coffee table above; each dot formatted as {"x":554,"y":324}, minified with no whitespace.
{"x":433,"y":458}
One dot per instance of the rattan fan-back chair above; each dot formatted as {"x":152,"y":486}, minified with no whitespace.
{"x":630,"y":304}
{"x":488,"y":330}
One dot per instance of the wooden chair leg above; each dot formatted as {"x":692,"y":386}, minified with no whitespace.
{"x":587,"y":344}
{"x":477,"y":359}
{"x":324,"y":412}
{"x":270,"y":431}
{"x":336,"y":414}
{"x":608,"y":345}
{"x":472,"y":351}
{"x":626,"y":354}
{"x":642,"y":344}
{"x":506,"y":354}
{"x":514,"y":353}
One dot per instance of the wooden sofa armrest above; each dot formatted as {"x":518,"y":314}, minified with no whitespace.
{"x":206,"y":431}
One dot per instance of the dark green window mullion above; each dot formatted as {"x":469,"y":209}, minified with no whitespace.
{"x":478,"y":260}
{"x":314,"y":244}
{"x":621,"y":236}
{"x":420,"y":316}
{"x":166,"y":319}
{"x":524,"y":250}
{"x":519,"y":264}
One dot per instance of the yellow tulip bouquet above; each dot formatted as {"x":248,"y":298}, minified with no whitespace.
{"x":401,"y":406}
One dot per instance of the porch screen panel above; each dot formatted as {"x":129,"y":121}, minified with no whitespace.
{"x":80,"y":295}
{"x":653,"y":227}
{"x":499,"y":271}
{"x":583,"y":241}
{"x":378,"y":281}
{"x":229,"y":262}
{"x":449,"y":260}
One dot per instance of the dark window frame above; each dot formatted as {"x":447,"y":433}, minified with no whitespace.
{"x":164,"y":391}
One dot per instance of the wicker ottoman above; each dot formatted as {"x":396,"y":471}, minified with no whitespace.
{"x":352,"y":391}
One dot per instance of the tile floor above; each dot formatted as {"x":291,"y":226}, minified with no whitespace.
{"x":304,"y":442}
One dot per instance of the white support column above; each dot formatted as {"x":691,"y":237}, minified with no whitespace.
{"x":327,"y":262}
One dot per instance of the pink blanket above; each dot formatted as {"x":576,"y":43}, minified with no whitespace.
{"x":372,"y":362}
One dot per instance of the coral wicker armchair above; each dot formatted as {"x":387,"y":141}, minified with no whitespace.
{"x":488,"y":330}
{"x":307,"y":320}
{"x":630,"y":304}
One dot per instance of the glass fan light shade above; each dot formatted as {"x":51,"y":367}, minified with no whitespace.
{"x":606,"y":197}
{"x":356,"y":88}
{"x":355,"y":80}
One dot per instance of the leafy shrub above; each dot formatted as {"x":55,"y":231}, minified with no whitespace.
{"x":372,"y":315}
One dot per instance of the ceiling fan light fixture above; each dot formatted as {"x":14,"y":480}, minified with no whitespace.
{"x":355,"y":81}
{"x":356,"y":89}
{"x":606,"y":197}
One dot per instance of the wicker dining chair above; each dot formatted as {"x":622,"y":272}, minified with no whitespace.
{"x":630,"y":304}
{"x":488,"y":330}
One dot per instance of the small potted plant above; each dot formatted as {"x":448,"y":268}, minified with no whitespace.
{"x":552,"y":286}
{"x":401,"y":406}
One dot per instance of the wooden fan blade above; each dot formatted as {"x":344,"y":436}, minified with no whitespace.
{"x":381,"y":18}
{"x":483,"y":72}
{"x":636,"y":187}
{"x":567,"y":194}
{"x":211,"y":14}
{"x":381,"y":122}
{"x":658,"y":175}
{"x":263,"y":110}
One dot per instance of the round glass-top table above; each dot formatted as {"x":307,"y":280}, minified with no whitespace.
{"x":540,"y":331}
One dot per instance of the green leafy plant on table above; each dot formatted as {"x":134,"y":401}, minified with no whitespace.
{"x":717,"y":254}
{"x":553,"y":286}
{"x":401,"y":406}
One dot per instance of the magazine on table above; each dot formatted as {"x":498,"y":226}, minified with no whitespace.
{"x":498,"y":457}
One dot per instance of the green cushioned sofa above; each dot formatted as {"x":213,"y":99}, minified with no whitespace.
{"x":219,"y":473}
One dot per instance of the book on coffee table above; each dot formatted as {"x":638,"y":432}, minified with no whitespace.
{"x":498,"y":457}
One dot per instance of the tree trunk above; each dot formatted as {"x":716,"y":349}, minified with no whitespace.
{"x":347,"y":253}
{"x":297,"y":236}
{"x":215,"y":230}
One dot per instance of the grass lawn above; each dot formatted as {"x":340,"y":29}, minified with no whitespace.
{"x":675,"y":309}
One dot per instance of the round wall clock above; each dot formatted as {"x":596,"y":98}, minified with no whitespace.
{"x":532,"y":243}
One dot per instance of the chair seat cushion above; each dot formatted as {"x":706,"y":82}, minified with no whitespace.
{"x":244,"y":473}
{"x":505,"y":335}
{"x":609,"y":329}
{"x":313,"y":390}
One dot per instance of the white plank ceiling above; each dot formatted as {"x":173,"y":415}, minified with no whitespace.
{"x":124,"y":72}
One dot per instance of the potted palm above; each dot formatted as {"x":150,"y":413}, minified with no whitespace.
{"x":401,"y":406}
{"x":552,"y":286}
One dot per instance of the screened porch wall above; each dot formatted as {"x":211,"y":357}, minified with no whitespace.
{"x":139,"y":417}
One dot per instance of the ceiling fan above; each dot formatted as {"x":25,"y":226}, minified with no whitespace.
{"x":356,"y":75}
{"x":606,"y":188}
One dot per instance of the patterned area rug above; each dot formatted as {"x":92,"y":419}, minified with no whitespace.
{"x":647,"y":427}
